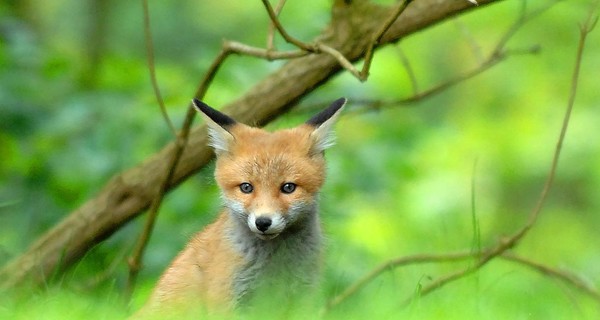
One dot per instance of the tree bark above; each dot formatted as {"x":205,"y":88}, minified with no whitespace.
{"x":130,"y":192}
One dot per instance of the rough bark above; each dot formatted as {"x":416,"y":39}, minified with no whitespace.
{"x":129,"y":193}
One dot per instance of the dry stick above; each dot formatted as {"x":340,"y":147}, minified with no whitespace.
{"x":151,"y":69}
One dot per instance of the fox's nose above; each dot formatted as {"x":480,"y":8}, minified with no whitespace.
{"x":263,"y":223}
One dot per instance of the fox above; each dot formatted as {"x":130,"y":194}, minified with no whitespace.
{"x":267,"y":240}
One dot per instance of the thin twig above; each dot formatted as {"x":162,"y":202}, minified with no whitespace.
{"x":268,"y":54}
{"x":345,"y":63}
{"x":522,"y":19}
{"x":585,"y":29}
{"x":409,"y":70}
{"x":567,"y":277}
{"x":151,"y":68}
{"x":466,"y":33}
{"x":271,"y":30}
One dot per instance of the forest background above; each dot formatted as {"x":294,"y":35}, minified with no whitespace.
{"x":458,"y":170}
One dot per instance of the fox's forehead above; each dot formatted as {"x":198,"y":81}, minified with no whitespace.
{"x":255,"y":141}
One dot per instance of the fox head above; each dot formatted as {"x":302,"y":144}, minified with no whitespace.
{"x":270,"y":180}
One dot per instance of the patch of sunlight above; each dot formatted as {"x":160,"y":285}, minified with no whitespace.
{"x":371,"y":229}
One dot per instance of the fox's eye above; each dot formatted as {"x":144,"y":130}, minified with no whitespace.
{"x":288,"y":187}
{"x":246,"y":187}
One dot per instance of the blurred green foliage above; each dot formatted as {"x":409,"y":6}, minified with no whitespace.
{"x":76,"y":107}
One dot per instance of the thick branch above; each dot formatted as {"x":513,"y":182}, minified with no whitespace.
{"x":130,"y":192}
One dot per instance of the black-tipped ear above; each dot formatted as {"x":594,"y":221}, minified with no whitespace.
{"x":326,"y":114}
{"x":216,"y":116}
{"x":323,"y":136}
{"x":218,"y":124}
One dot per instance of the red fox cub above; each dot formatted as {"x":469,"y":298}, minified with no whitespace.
{"x":268,"y":236}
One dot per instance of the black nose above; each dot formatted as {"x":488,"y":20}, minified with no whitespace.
{"x":263,"y":223}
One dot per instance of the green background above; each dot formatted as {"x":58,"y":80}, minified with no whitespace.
{"x":76,"y":107}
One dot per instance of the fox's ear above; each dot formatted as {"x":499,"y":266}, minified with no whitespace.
{"x":323,"y":136}
{"x":218,"y":125}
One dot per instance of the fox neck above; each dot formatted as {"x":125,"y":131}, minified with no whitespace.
{"x":292,"y":259}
